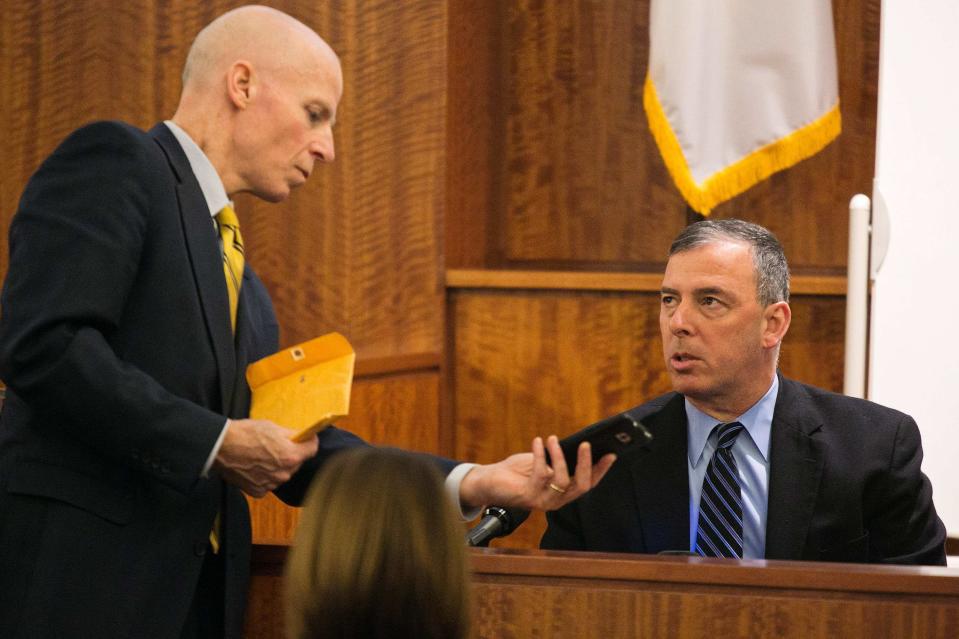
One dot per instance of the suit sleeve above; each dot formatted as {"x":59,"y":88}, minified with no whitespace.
{"x":904,"y":527}
{"x":75,"y":248}
{"x":334,"y":440}
{"x":563,"y":530}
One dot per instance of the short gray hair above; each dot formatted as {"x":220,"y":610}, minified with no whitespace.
{"x":769,"y":260}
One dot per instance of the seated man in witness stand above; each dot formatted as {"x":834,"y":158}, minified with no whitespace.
{"x":378,"y":553}
{"x":801,"y":473}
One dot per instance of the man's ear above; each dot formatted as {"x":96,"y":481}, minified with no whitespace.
{"x":776,"y":319}
{"x":239,"y":83}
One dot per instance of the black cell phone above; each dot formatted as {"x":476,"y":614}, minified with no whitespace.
{"x":615,"y":434}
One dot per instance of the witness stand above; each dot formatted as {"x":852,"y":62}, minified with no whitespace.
{"x":534,"y":593}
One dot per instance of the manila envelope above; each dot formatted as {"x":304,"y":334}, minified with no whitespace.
{"x":305,"y":387}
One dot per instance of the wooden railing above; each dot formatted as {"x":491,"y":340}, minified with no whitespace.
{"x":533,"y":593}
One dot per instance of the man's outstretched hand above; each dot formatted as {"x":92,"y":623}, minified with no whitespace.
{"x":525,"y":480}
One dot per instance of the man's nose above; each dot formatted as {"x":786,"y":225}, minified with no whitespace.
{"x":322,"y":147}
{"x":678,"y":323}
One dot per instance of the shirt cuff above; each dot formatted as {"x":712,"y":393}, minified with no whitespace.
{"x":216,"y":448}
{"x":453,"y":481}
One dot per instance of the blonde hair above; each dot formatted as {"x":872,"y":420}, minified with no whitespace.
{"x":378,"y":553}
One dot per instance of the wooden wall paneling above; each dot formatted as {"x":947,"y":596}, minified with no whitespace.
{"x":358,"y":249}
{"x":140,"y":48}
{"x":392,"y":410}
{"x":473,"y":119}
{"x":583,"y":185}
{"x":598,"y":595}
{"x":579,"y":184}
{"x":397,"y":411}
{"x":828,"y":285}
{"x":529,"y":363}
{"x":814,"y":348}
{"x":532,"y":593}
{"x":265,"y":600}
{"x":597,"y":611}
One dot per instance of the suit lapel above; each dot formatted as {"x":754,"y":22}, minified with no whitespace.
{"x":246,"y":338}
{"x":795,"y":469}
{"x":661,"y":478}
{"x":205,"y":260}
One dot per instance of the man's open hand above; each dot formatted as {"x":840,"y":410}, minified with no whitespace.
{"x":525,"y":480}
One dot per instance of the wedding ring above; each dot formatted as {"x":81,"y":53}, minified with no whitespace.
{"x":553,"y":486}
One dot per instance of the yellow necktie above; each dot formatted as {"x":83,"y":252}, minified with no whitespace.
{"x":233,"y":272}
{"x":232,"y":256}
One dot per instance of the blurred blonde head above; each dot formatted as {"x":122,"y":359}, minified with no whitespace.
{"x":378,"y":553}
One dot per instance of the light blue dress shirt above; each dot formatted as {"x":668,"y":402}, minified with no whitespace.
{"x":751,"y":452}
{"x":206,"y":176}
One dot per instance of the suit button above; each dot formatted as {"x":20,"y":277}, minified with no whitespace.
{"x":199,"y":548}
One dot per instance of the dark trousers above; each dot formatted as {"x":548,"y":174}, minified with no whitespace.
{"x":205,"y":618}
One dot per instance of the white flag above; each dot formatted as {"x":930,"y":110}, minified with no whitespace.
{"x":737,"y":90}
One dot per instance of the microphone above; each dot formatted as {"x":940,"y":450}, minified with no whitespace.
{"x":496,"y":522}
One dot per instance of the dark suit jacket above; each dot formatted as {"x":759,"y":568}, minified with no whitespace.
{"x":116,"y":345}
{"x":844,"y":485}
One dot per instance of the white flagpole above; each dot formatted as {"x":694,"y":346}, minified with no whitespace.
{"x":857,"y":303}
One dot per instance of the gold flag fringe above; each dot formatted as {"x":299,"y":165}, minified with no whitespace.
{"x":750,"y":170}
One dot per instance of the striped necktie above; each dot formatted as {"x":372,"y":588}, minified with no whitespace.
{"x":232,"y":249}
{"x":720,"y":531}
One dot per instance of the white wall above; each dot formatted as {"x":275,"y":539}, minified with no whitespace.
{"x":914,"y":344}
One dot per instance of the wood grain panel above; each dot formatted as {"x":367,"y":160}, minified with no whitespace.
{"x":572,"y":610}
{"x":532,"y":594}
{"x":581,"y":183}
{"x":474,"y":115}
{"x":392,"y":410}
{"x":264,"y":605}
{"x":529,"y":363}
{"x":358,"y":249}
{"x":535,"y":363}
{"x":522,"y":594}
{"x":814,"y":349}
{"x":611,"y":281}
